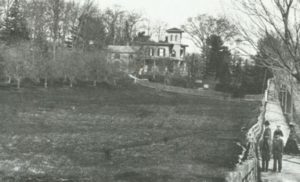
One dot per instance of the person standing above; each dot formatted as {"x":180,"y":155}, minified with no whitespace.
{"x":267,"y":132}
{"x":265,"y":146}
{"x":277,"y":152}
{"x":291,"y":146}
{"x":278,"y":131}
{"x":265,"y":150}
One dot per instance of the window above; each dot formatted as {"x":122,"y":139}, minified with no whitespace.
{"x":161,"y":52}
{"x":181,"y":52}
{"x":151,"y":52}
{"x":173,"y":53}
{"x":171,"y":38}
{"x":176,"y":37}
{"x":117,"y":56}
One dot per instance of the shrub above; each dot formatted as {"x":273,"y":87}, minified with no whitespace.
{"x":234,"y":91}
{"x":180,"y":82}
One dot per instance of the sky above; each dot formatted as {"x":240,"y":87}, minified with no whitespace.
{"x":173,"y":12}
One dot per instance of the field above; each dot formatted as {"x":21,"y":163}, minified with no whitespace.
{"x":127,"y":134}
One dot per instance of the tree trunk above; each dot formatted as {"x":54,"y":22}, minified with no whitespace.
{"x":18,"y":83}
{"x":46,"y":83}
{"x":71,"y":83}
{"x":297,"y":74}
{"x":65,"y":78}
{"x":154,"y":70}
{"x":54,"y":51}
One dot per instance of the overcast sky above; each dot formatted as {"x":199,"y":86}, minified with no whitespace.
{"x":173,"y":12}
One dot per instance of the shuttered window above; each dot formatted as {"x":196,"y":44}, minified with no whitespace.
{"x":161,"y":52}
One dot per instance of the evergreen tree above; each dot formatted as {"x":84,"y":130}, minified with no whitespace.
{"x":15,"y":26}
{"x":218,"y":59}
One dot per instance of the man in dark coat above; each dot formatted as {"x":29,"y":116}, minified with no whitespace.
{"x":265,"y":151}
{"x":265,"y":146}
{"x":267,"y":132}
{"x":277,"y":152}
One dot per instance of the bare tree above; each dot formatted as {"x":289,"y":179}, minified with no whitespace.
{"x":55,"y":9}
{"x":37,"y":20}
{"x":203,"y":26}
{"x":153,"y":29}
{"x":146,"y":26}
{"x":70,"y":64}
{"x":279,"y":19}
{"x":18,"y":63}
{"x":131,"y":25}
{"x":70,"y":17}
{"x":4,"y":7}
{"x":112,"y":18}
{"x":159,"y":29}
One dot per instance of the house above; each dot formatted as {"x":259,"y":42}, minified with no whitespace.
{"x":159,"y":57}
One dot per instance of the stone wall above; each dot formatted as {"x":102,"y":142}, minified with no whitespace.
{"x":248,"y":172}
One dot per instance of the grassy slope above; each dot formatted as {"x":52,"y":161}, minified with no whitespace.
{"x":117,"y":135}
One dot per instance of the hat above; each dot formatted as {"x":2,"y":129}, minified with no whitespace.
{"x":267,"y":123}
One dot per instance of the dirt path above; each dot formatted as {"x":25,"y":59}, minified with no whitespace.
{"x":290,"y":171}
{"x":290,"y":164}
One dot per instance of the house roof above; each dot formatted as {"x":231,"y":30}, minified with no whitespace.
{"x":123,"y":49}
{"x":174,"y":30}
{"x":137,"y":46}
{"x":154,"y":43}
{"x":157,"y":44}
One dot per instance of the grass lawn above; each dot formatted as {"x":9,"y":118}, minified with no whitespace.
{"x":118,"y":134}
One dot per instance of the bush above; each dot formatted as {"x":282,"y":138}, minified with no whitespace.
{"x":125,"y":82}
{"x":180,"y":82}
{"x":176,"y":81}
{"x":236,"y":92}
{"x":157,"y":79}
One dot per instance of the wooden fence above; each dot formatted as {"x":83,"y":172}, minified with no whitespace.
{"x":248,"y":170}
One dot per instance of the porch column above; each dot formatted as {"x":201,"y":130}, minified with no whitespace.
{"x":154,"y":68}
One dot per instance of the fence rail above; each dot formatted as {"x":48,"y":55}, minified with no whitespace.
{"x":248,"y":171}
